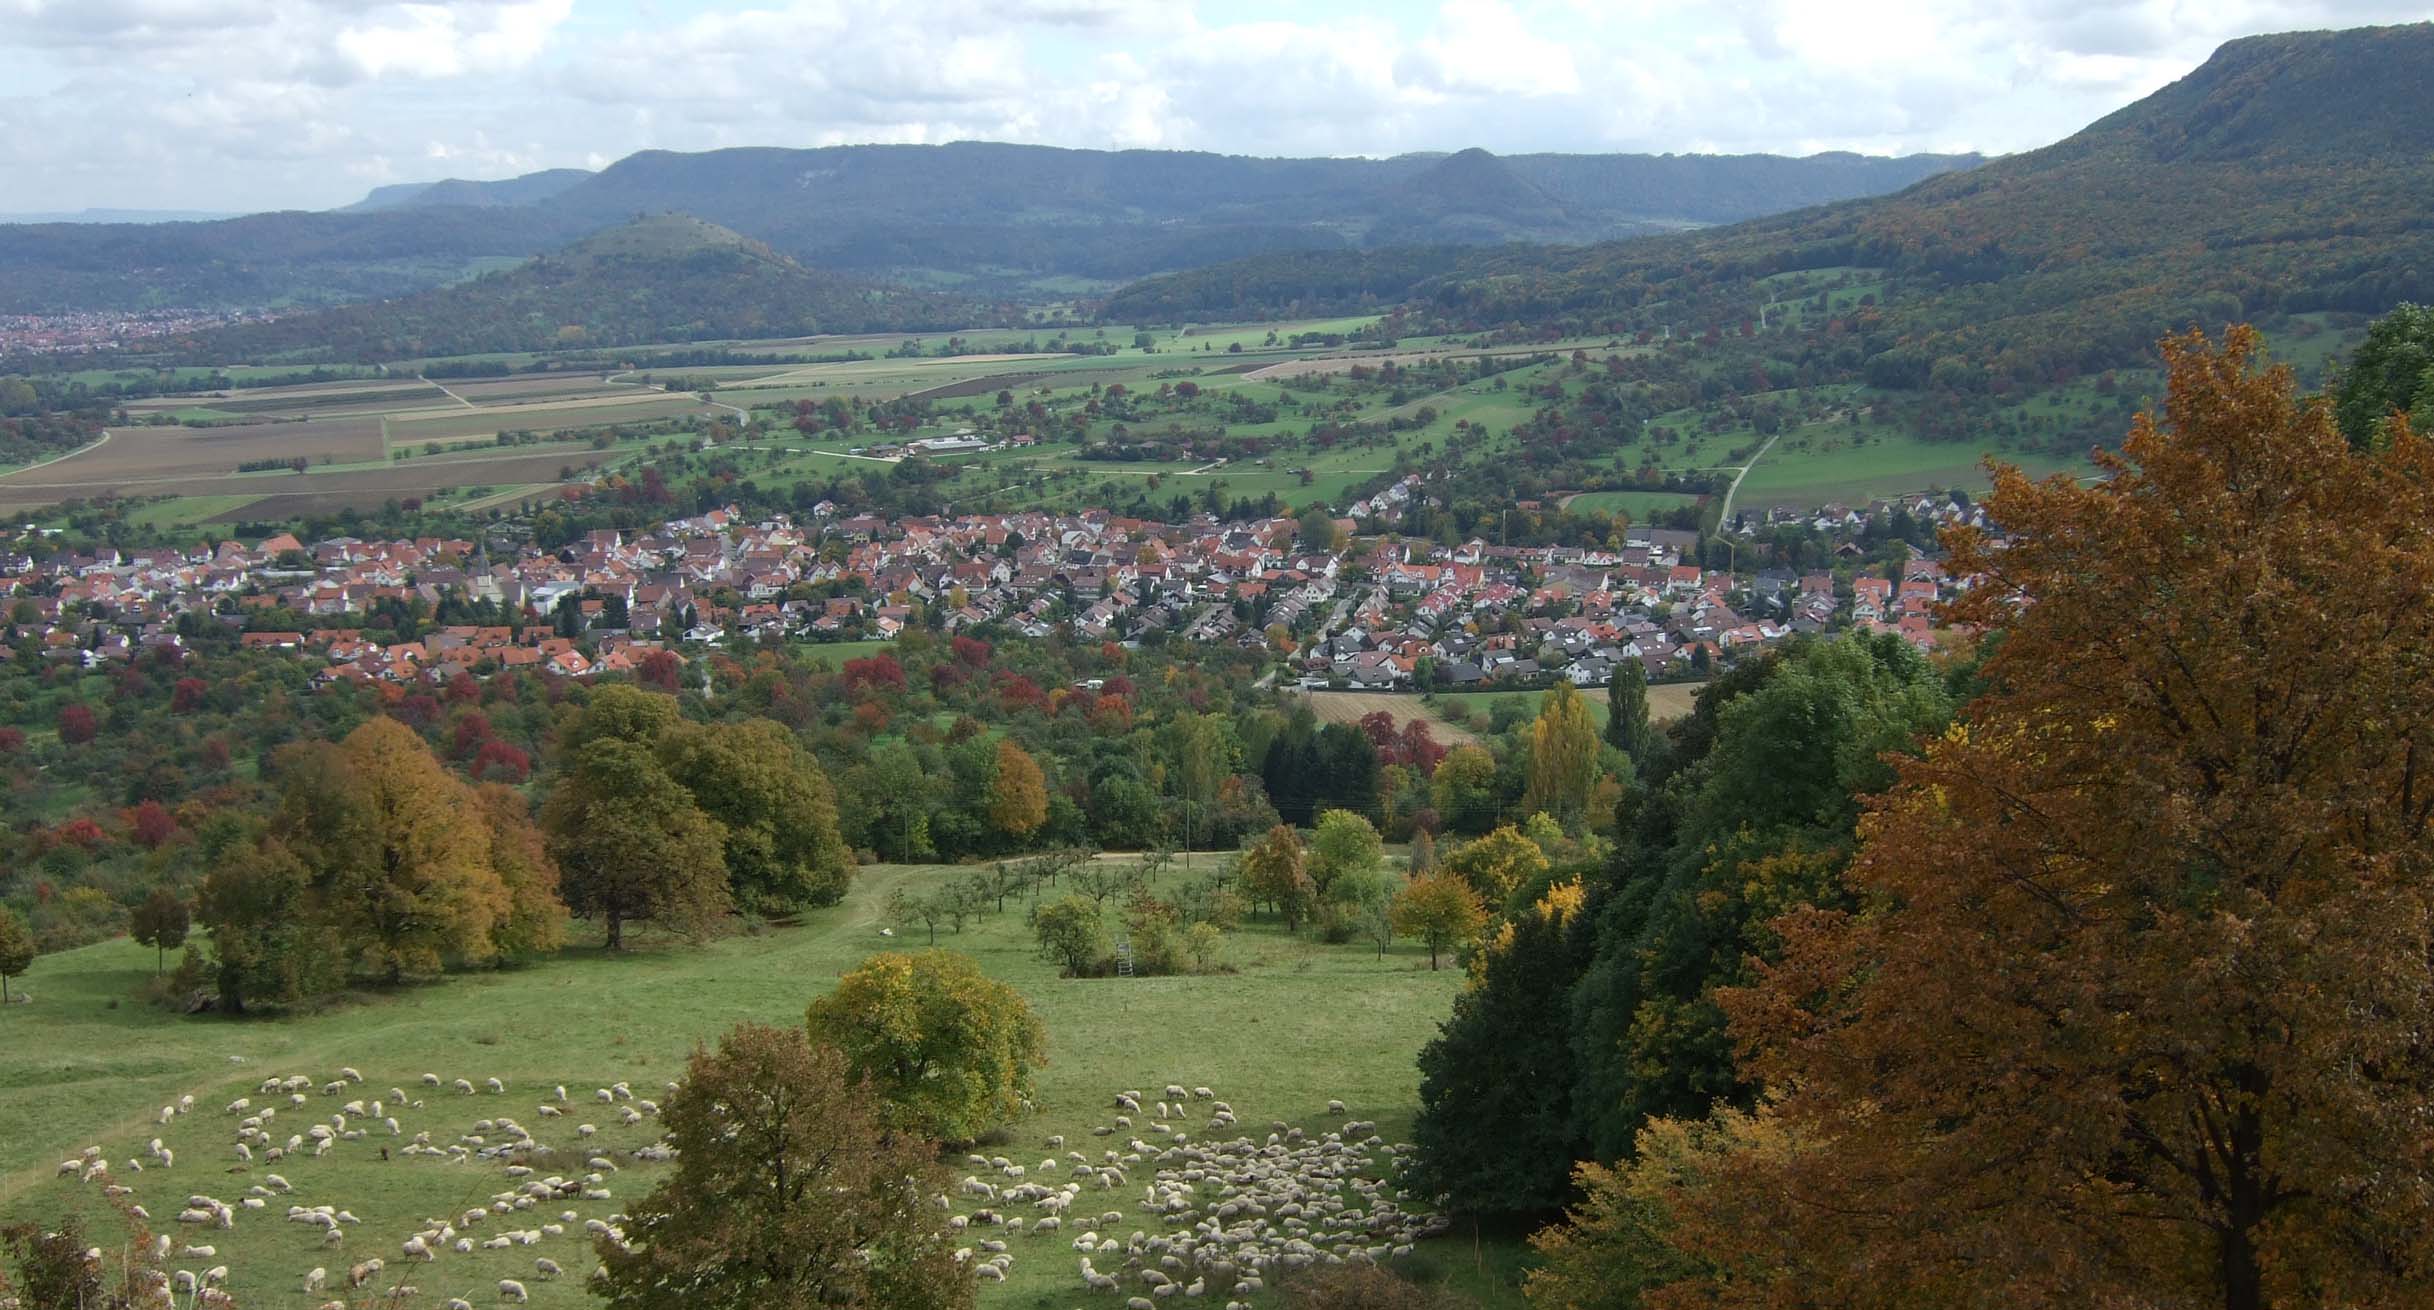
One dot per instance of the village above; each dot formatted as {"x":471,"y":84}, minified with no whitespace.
{"x":1366,"y":610}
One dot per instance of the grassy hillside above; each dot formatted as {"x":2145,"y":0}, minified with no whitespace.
{"x":1295,"y":1025}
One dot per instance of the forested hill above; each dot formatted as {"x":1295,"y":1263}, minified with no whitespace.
{"x":2288,"y":173}
{"x":662,"y":278}
{"x":974,"y":214}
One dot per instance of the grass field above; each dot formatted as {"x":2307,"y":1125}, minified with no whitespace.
{"x":1638,"y":506}
{"x":1666,"y":701}
{"x":1353,"y":706}
{"x":1293,"y":1025}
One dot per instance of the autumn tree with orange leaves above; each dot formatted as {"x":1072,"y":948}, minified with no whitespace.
{"x":2135,"y":1008}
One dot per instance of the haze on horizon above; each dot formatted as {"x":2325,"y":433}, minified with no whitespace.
{"x":241,"y":105}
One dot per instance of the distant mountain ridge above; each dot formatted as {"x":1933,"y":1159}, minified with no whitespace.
{"x":662,"y":278}
{"x":998,"y":217}
{"x":2288,"y":174}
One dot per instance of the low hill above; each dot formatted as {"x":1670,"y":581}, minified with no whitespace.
{"x":2288,"y":174}
{"x":657,"y":279}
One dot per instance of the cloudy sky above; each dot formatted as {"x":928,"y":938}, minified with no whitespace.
{"x":260,"y":104}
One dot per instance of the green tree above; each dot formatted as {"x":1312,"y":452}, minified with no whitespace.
{"x":1345,"y":851}
{"x":789,"y":1192}
{"x":1498,"y":863}
{"x":1627,"y":727}
{"x":950,"y":1049}
{"x":1495,"y":1131}
{"x":268,"y":945}
{"x":160,"y":921}
{"x":1073,"y":932}
{"x":1440,"y":910}
{"x":774,"y":806}
{"x":1464,"y":789}
{"x":623,"y":711}
{"x":1563,"y":757}
{"x":2391,"y":373}
{"x":631,"y":845}
{"x":16,"y":949}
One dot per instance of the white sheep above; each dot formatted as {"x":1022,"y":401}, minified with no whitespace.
{"x":314,"y":1279}
{"x":511,"y":1290}
{"x":546,"y":1267}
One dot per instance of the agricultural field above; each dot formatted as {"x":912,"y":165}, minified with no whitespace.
{"x":1289,"y":1025}
{"x":1666,"y":702}
{"x":1354,"y":706}
{"x":349,"y":438}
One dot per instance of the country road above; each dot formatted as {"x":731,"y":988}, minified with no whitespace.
{"x":1726,"y":515}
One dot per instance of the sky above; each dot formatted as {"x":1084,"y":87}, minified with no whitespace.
{"x":241,"y":105}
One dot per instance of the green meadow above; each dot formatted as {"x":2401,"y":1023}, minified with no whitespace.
{"x":1288,"y":1025}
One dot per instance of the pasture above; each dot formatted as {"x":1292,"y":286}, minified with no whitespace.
{"x":1288,"y":1026}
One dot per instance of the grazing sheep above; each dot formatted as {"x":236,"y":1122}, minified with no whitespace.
{"x":511,"y":1290}
{"x":546,"y":1267}
{"x":495,"y":1085}
{"x":314,"y":1279}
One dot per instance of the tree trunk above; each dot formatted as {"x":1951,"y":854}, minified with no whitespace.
{"x":2244,"y":1204}
{"x":616,"y":931}
{"x":1432,"y":957}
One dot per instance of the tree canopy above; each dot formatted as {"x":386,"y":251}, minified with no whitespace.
{"x":949,"y":1049}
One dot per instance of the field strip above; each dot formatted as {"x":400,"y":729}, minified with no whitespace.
{"x":45,"y":463}
{"x":508,"y":496}
{"x":1726,"y":514}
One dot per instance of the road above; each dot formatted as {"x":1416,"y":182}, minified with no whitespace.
{"x":1726,"y":517}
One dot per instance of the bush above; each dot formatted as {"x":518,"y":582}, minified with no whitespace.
{"x":1368,"y":1287}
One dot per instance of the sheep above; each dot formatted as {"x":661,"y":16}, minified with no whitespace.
{"x":1335,"y":1107}
{"x":546,"y":1267}
{"x":511,"y":1290}
{"x":495,"y":1085}
{"x":989,"y":1273}
{"x":459,"y":1303}
{"x":314,"y":1279}
{"x":463,"y":1087}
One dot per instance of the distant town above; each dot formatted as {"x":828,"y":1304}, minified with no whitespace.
{"x":1369,"y":612}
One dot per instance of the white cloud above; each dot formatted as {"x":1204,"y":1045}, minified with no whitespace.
{"x":261,"y":103}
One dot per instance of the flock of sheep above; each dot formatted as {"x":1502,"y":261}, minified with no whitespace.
{"x":1228,"y":1211}
{"x":287,"y":1122}
{"x":1220,"y":1211}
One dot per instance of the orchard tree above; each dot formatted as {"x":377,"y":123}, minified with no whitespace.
{"x":950,"y":1050}
{"x":2136,"y":1010}
{"x":1498,"y":863}
{"x":160,"y":921}
{"x":1344,"y":852}
{"x":16,"y":949}
{"x":1273,"y":870}
{"x":631,"y":845}
{"x":789,"y":1193}
{"x":1073,"y":932}
{"x":268,"y":944}
{"x":1440,"y":910}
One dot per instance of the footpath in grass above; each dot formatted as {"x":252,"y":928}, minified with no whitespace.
{"x":1296,"y":1024}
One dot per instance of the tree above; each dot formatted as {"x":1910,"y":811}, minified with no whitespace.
{"x":160,"y":921}
{"x":1498,"y":863}
{"x":1494,"y":1134}
{"x":631,"y":845}
{"x":1627,"y":726}
{"x":16,"y":949}
{"x":267,"y":942}
{"x":1273,"y":871}
{"x":1440,"y":910}
{"x":1423,"y":853}
{"x":1344,"y":852}
{"x":788,"y":1193}
{"x":2391,"y":373}
{"x":2136,"y":1010}
{"x":399,"y":877}
{"x":535,"y":921}
{"x":1563,"y":757}
{"x":774,"y":807}
{"x":950,"y":1049}
{"x":77,"y":723}
{"x":1464,"y":789}
{"x":1073,"y":932}
{"x":1018,"y":793}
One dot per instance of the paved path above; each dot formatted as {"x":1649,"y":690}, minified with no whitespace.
{"x":1724,"y":519}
